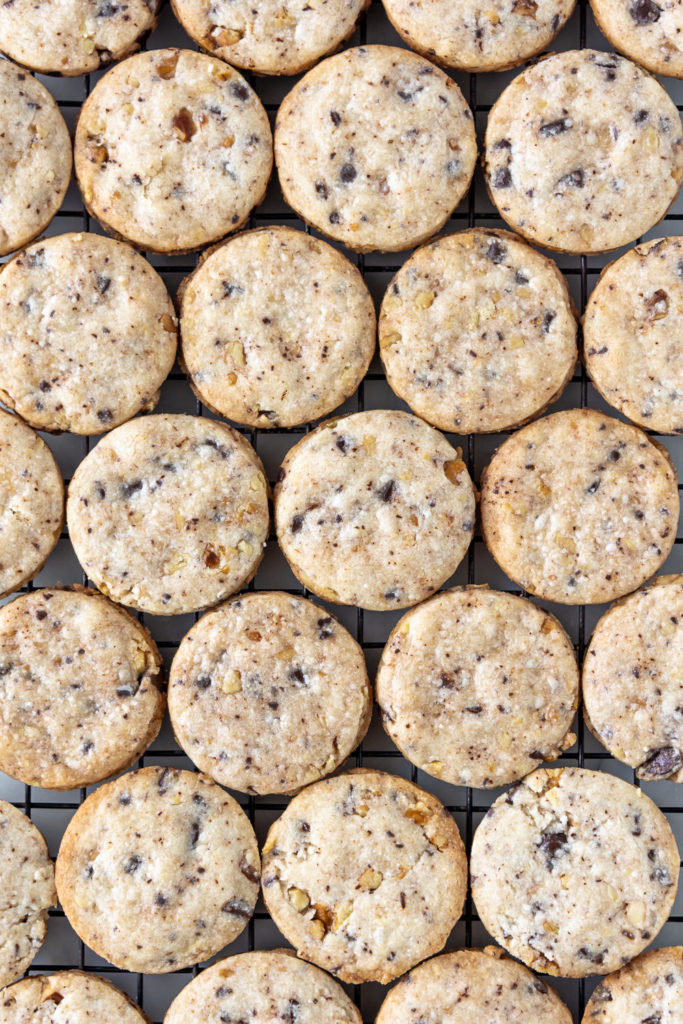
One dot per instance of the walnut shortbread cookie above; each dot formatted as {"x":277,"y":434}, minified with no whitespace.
{"x":579,"y":508}
{"x":375,"y":509}
{"x":268,"y":693}
{"x":278,"y":328}
{"x":158,"y":870}
{"x":68,"y":996}
{"x":169,"y":513}
{"x":375,"y":147}
{"x":477,"y":332}
{"x":87,"y":333}
{"x":647,"y":31}
{"x":649,"y":990}
{"x":584,"y":152}
{"x":173,"y":150}
{"x":365,"y":874}
{"x":573,"y":871}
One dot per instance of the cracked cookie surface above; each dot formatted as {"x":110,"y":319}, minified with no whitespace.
{"x":649,"y":990}
{"x":68,"y":996}
{"x":647,"y":31}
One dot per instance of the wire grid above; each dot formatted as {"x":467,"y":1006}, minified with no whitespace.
{"x":51,"y":811}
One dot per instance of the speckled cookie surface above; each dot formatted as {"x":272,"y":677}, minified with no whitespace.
{"x":579,"y":508}
{"x":477,"y":687}
{"x":278,"y":328}
{"x":80,"y":688}
{"x":477,"y":332}
{"x":375,"y":147}
{"x":584,"y":152}
{"x":647,"y":31}
{"x":649,"y":989}
{"x":375,"y":509}
{"x":28,"y":890}
{"x":268,"y":693}
{"x":574,"y":872}
{"x":87,"y":333}
{"x":169,"y":514}
{"x":68,"y":997}
{"x":365,"y":874}
{"x":633,"y":335}
{"x":35,"y":157}
{"x":173,"y":150}
{"x":158,"y":870}
{"x":31,"y":503}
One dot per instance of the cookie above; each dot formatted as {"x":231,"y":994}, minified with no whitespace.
{"x":632,"y":688}
{"x":28,"y":883}
{"x":365,"y":874}
{"x":80,"y":688}
{"x":31,"y":503}
{"x":173,"y":150}
{"x":158,"y":870}
{"x":477,"y":332}
{"x":169,"y":513}
{"x":574,"y":872}
{"x":268,"y":693}
{"x":647,"y":31}
{"x":476,"y":687}
{"x":272,"y":37}
{"x":35,"y":156}
{"x":375,"y":147}
{"x":87,"y":333}
{"x":263,"y":987}
{"x":75,"y":38}
{"x":579,"y":508}
{"x":375,"y":509}
{"x":633,"y":335}
{"x":278,"y":328}
{"x":81,"y":998}
{"x":584,"y":152}
{"x":651,"y":982}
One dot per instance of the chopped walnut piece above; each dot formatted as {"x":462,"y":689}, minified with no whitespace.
{"x":184,"y":125}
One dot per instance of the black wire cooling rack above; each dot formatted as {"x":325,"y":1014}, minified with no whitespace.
{"x":52,"y":811}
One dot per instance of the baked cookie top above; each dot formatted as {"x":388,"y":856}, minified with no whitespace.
{"x":647,"y":31}
{"x":81,"y":998}
{"x":650,"y":988}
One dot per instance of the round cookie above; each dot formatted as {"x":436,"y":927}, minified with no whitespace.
{"x":584,"y":152}
{"x":573,"y":871}
{"x":649,"y":989}
{"x":158,"y":870}
{"x":579,"y":508}
{"x":169,"y":514}
{"x":476,"y":687}
{"x":365,"y":874}
{"x":633,"y":335}
{"x":375,"y":147}
{"x":477,"y":332}
{"x":268,"y":693}
{"x":261,"y":987}
{"x":173,"y":150}
{"x":87,"y":333}
{"x":31,"y":503}
{"x":273,"y":37}
{"x":35,"y":157}
{"x":278,"y":328}
{"x":632,"y":687}
{"x":80,"y":688}
{"x":81,"y":998}
{"x":647,"y":31}
{"x":28,"y":884}
{"x":375,"y":509}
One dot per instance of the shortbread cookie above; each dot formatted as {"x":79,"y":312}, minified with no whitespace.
{"x":574,"y":872}
{"x":375,"y":509}
{"x":87,"y":333}
{"x":579,"y":508}
{"x":476,"y":687}
{"x":278,"y":328}
{"x":80,"y":688}
{"x":633,"y":335}
{"x":31,"y":503}
{"x":365,"y":874}
{"x":35,"y":156}
{"x":477,"y":332}
{"x":268,"y":693}
{"x":273,"y":37}
{"x":169,"y":514}
{"x":649,"y":990}
{"x":375,"y":147}
{"x":173,"y":150}
{"x":28,"y":891}
{"x":647,"y":31}
{"x":158,"y":870}
{"x":584,"y":152}
{"x":68,"y":997}
{"x":263,"y":987}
